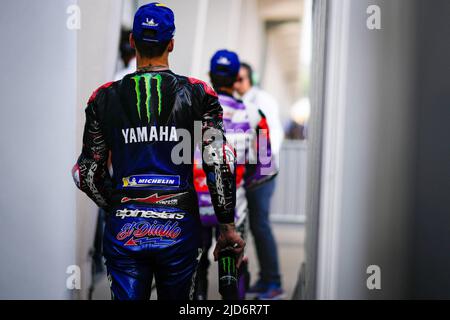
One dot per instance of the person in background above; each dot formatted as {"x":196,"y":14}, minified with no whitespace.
{"x":127,"y":56}
{"x":241,"y":123}
{"x":297,"y":126}
{"x":268,"y":286}
{"x":295,"y":130}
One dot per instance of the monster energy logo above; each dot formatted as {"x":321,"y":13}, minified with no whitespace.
{"x":228,"y":264}
{"x":148,"y":88}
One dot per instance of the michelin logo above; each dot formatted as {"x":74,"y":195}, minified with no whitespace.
{"x":140,"y":181}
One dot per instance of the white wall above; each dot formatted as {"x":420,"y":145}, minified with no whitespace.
{"x":97,"y":43}
{"x":37,"y":139}
{"x":48,"y":73}
{"x":367,"y":180}
{"x":273,"y":80}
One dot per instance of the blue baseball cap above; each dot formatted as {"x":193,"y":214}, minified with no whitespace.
{"x":225,"y":63}
{"x":156,"y":17}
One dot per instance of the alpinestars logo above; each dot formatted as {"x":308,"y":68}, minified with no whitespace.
{"x":126,"y":213}
{"x":147,"y":78}
{"x":155,"y":198}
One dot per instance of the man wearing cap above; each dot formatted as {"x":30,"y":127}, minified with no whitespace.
{"x":242,"y":123}
{"x":268,"y":286}
{"x":153,"y":226}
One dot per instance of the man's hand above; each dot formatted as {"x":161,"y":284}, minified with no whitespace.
{"x":230,"y":239}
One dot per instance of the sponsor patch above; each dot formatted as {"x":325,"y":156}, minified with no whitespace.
{"x":136,"y":213}
{"x":167,"y":199}
{"x":155,"y":234}
{"x":151,"y":180}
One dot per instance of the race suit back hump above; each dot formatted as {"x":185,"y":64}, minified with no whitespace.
{"x":144,"y":121}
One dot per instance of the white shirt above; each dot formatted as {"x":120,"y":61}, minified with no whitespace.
{"x":269,"y":106}
{"x":130,"y":69}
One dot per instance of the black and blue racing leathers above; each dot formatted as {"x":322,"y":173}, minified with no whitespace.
{"x":145,"y":126}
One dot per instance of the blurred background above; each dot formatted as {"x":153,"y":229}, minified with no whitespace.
{"x":76,"y":46}
{"x":364,"y":167}
{"x":274,"y":37}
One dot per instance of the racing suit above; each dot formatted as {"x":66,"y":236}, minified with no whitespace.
{"x":145,"y":123}
{"x":242,"y":123}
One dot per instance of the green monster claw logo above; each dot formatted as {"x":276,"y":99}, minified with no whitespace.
{"x":148,"y":88}
{"x":228,"y":264}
